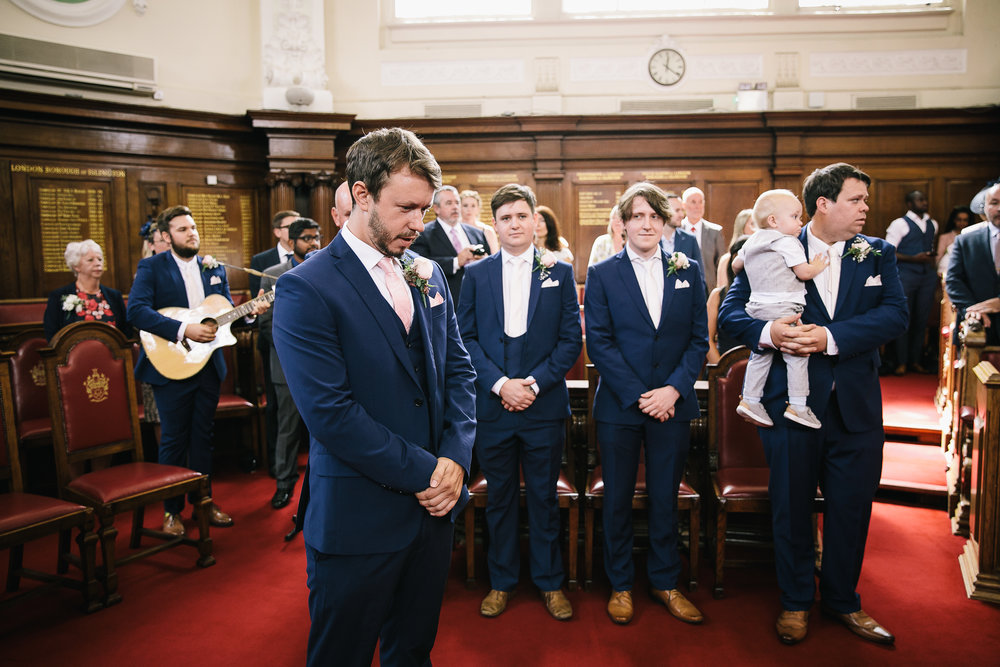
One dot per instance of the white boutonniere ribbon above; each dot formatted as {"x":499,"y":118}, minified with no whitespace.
{"x":860,"y":249}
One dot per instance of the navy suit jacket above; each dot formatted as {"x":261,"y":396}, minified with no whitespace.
{"x":870,"y":311}
{"x":158,"y":284}
{"x":434,"y":243}
{"x":686,"y":243}
{"x":345,"y":359}
{"x":971,"y":277}
{"x":56,"y":318}
{"x":634,"y":355}
{"x":552,"y":342}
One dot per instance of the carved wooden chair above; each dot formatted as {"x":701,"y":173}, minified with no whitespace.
{"x":688,"y":500}
{"x":92,"y":401}
{"x":31,"y":399}
{"x":25,"y":517}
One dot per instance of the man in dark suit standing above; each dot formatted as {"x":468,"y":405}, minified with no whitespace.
{"x":973,"y":278}
{"x":852,"y":308}
{"x":448,"y":241}
{"x":180,"y":278}
{"x":707,"y":234}
{"x":386,"y":388}
{"x":647,"y":334}
{"x":520,"y":320}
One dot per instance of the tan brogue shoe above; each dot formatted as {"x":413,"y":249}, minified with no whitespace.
{"x":217,"y":517}
{"x":172,"y":524}
{"x":863,"y":626}
{"x":557,"y":605}
{"x":494,"y":604}
{"x":792,"y":626}
{"x":678,"y":605}
{"x":620,"y":607}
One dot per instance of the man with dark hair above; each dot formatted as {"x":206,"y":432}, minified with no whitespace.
{"x":281,"y":251}
{"x":179,"y":278}
{"x":647,"y":334}
{"x":304,"y":236}
{"x":675,"y":239}
{"x":381,"y":377}
{"x":448,"y":241}
{"x":973,"y":278}
{"x":520,"y":320}
{"x":914,"y":236}
{"x":852,"y":308}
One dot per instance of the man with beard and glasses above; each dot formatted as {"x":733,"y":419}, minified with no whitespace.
{"x":368,"y":340}
{"x":187,"y":407}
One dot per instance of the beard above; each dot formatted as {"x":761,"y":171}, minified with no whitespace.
{"x":381,"y":237}
{"x":185,"y":252}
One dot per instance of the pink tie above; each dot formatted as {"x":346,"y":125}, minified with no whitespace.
{"x":401,"y":301}
{"x":454,"y":240}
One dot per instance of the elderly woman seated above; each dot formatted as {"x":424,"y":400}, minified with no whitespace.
{"x":85,"y":299}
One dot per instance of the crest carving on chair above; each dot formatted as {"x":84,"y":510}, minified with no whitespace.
{"x":97,"y":386}
{"x":38,"y":374}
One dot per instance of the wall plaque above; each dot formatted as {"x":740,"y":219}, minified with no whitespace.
{"x":69,"y":211}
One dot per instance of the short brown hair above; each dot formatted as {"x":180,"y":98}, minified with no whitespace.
{"x":654,"y":196}
{"x":509,"y":193}
{"x":163,"y":220}
{"x":281,"y":215}
{"x":376,"y":156}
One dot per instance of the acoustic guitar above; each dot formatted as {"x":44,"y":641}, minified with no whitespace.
{"x":179,"y":361}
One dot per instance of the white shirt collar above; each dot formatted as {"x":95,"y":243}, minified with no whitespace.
{"x":528,"y":255}
{"x":633,"y":256}
{"x":184,"y":264}
{"x":819,"y":245}
{"x":281,"y":251}
{"x":448,"y":226}
{"x":369,"y":256}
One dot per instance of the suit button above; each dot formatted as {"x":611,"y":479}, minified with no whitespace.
{"x":500,"y":339}
{"x":419,"y":402}
{"x":656,"y":365}
{"x":409,"y":345}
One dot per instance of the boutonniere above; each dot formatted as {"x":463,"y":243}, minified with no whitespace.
{"x":678,"y":261}
{"x":208,"y":263}
{"x":544,"y":261}
{"x":417,"y":272}
{"x":860,"y":249}
{"x":71,"y":302}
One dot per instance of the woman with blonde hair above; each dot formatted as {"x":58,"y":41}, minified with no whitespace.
{"x":743,"y":226}
{"x":472,"y":204}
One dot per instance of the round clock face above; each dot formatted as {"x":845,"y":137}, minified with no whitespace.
{"x":666,"y":67}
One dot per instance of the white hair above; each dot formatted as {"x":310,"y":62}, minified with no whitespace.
{"x":77,"y":249}
{"x":690,"y":191}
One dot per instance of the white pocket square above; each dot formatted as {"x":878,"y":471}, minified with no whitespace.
{"x":215,"y":280}
{"x":873,"y":281}
{"x":550,"y":283}
{"x":681,"y":284}
{"x":437,"y":300}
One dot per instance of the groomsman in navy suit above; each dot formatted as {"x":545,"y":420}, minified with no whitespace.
{"x":386,"y":388}
{"x":852,"y":308}
{"x":520,"y":319}
{"x":179,"y":278}
{"x":973,"y":278}
{"x":450,"y":242}
{"x":647,"y":334}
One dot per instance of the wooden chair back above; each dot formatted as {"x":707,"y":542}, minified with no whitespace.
{"x":10,"y":468}
{"x":31,"y":400}
{"x":732,"y":441}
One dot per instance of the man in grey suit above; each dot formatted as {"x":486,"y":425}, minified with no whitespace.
{"x":973,"y":278}
{"x":708,"y":234}
{"x":304,"y":236}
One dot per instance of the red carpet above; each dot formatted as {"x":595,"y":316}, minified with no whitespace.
{"x":908,"y":407}
{"x":250,"y":608}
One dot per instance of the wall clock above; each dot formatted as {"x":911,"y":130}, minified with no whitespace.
{"x":667,"y":66}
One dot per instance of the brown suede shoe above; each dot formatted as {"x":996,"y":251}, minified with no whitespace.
{"x":863,"y":626}
{"x":494,"y":604}
{"x":678,"y":605}
{"x":172,"y":524}
{"x":217,"y":517}
{"x":792,"y":626}
{"x":620,"y":607}
{"x":557,"y":604}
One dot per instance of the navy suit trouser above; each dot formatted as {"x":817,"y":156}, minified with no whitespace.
{"x":393,"y":599}
{"x":847,"y":468}
{"x":919,"y":290}
{"x":187,"y":414}
{"x":502,"y":447}
{"x":666,"y":450}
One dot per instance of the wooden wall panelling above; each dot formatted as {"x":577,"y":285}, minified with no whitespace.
{"x":15,"y":255}
{"x":725,"y":199}
{"x":888,"y":199}
{"x":321,"y":188}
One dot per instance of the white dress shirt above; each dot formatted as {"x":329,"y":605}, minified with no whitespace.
{"x":462,"y":239}
{"x":687,"y":225}
{"x":899,"y":228}
{"x":517,"y":273}
{"x":370,"y":257}
{"x":649,"y":274}
{"x":283,"y":254}
{"x":193,"y":286}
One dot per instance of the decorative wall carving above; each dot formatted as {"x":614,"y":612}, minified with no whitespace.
{"x":451,"y":73}
{"x":888,"y":63}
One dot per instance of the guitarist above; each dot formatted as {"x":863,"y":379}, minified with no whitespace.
{"x":179,"y":278}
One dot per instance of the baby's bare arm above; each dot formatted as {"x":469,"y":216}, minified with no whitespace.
{"x":809,"y":270}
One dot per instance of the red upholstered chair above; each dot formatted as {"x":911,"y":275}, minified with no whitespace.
{"x":688,"y":500}
{"x":739,"y":470}
{"x":92,"y":401}
{"x":31,"y":399}
{"x":26,"y":516}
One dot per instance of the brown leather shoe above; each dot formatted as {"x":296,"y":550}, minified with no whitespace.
{"x":792,"y":626}
{"x":620,"y":607}
{"x":557,"y":604}
{"x":678,"y":605}
{"x":172,"y":524}
{"x":494,"y":604}
{"x":863,"y":626}
{"x":217,"y":517}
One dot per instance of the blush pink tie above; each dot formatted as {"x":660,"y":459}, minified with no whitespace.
{"x":401,"y":301}
{"x":454,"y":240}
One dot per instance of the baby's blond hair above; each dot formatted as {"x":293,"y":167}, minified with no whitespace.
{"x":767,"y":204}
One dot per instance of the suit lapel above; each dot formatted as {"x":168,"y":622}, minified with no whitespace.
{"x":669,"y":285}
{"x":848,"y":271}
{"x":495,"y":274}
{"x":812,"y":294}
{"x":534,"y":290}
{"x":627,"y":275}
{"x":177,"y":280}
{"x":443,"y":239}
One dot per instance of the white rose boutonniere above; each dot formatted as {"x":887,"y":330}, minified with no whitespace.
{"x":678,"y":261}
{"x":860,"y":249}
{"x":417,"y":272}
{"x":544,"y":262}
{"x":71,"y":302}
{"x":208,"y":263}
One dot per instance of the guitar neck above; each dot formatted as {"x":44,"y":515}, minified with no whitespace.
{"x":244,"y":309}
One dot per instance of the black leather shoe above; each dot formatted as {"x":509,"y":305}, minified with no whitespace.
{"x":281,"y":498}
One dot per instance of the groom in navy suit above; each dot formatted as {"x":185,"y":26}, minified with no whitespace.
{"x":520,"y":319}
{"x":386,"y":389}
{"x":647,"y":334}
{"x":852,"y":308}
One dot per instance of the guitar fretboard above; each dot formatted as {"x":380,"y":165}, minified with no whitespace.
{"x":244,"y":309}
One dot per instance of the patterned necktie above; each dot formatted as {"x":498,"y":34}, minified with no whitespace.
{"x":454,"y":240}
{"x":401,"y":301}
